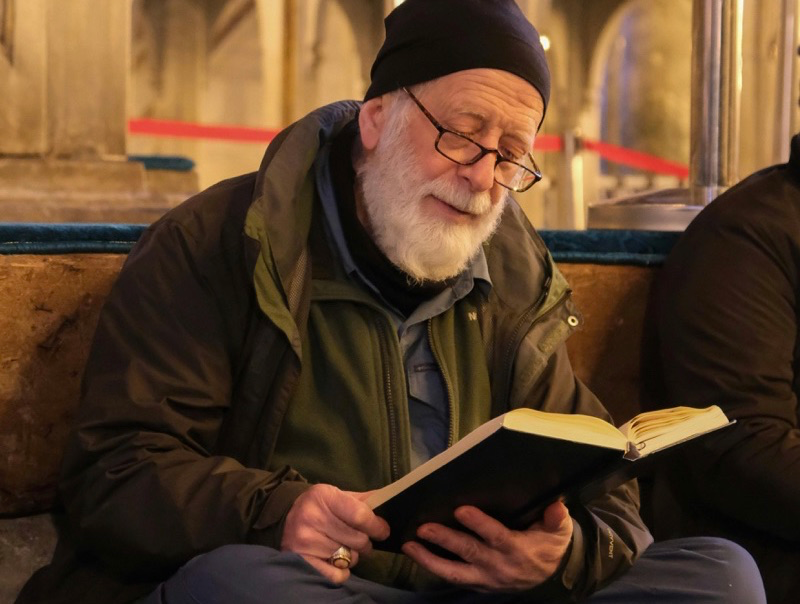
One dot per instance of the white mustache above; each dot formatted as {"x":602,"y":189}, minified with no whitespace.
{"x":477,"y":204}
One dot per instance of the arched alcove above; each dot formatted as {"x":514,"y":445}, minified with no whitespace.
{"x":199,"y":61}
{"x":256,"y":63}
{"x":639,"y":91}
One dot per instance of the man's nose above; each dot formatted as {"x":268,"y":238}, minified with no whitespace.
{"x":480,"y":174}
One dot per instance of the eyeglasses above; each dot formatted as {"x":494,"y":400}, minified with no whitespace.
{"x":516,"y":175}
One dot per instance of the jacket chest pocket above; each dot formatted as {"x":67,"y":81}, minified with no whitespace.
{"x":545,"y":336}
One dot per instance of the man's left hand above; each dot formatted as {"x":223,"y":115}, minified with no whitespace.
{"x":498,"y":559}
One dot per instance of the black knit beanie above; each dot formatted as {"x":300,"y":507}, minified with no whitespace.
{"x":427,"y":39}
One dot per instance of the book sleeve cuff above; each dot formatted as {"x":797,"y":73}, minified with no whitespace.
{"x":268,"y":529}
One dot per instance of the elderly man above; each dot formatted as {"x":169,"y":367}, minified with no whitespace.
{"x":287,"y":341}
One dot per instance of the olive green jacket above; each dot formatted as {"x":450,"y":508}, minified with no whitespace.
{"x":197,"y":357}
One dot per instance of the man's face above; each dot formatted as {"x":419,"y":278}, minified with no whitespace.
{"x":428,"y":214}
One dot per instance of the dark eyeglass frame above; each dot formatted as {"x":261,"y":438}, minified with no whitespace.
{"x":537,"y":174}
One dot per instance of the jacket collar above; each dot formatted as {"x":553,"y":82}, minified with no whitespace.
{"x":279,"y":217}
{"x":285,"y":181}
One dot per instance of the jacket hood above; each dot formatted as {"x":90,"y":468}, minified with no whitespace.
{"x":286,"y":178}
{"x":280,"y":215}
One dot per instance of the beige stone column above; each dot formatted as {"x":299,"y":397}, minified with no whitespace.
{"x":769,"y":88}
{"x":23,"y":57}
{"x":272,"y":27}
{"x":87,"y":67}
{"x":65,"y":65}
{"x":169,"y":70}
{"x":63,"y":118}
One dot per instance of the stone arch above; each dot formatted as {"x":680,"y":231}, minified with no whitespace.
{"x":199,"y":61}
{"x":288,"y":58}
{"x":639,"y":81}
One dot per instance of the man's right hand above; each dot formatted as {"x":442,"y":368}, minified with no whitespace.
{"x":324,"y":518}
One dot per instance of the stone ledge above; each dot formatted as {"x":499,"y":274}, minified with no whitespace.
{"x":55,"y":175}
{"x":94,"y":207}
{"x":45,"y":190}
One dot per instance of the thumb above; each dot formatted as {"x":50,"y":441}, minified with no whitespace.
{"x":360,"y":495}
{"x":554,"y":516}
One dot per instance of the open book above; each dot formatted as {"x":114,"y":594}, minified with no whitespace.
{"x":516,"y":464}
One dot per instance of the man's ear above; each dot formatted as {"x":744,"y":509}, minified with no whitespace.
{"x":371,"y":119}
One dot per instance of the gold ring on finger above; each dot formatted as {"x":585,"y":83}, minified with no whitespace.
{"x":341,"y":558}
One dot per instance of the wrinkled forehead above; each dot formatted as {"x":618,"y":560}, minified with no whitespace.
{"x":492,"y":97}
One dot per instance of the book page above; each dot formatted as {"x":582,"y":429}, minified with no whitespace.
{"x":655,"y":430}
{"x":567,"y":426}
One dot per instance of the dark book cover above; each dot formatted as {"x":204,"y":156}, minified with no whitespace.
{"x":510,"y":475}
{"x":515,"y":465}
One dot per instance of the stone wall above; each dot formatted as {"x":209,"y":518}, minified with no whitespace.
{"x":49,"y":307}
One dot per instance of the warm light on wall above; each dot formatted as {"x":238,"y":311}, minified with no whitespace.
{"x":545,"y":42}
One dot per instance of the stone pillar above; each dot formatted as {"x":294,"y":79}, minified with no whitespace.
{"x":272,"y":27}
{"x":87,"y":67}
{"x":23,"y":58}
{"x":63,"y":119}
{"x":769,"y":86}
{"x":66,"y":88}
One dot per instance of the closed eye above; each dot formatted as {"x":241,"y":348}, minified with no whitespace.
{"x":512,"y":154}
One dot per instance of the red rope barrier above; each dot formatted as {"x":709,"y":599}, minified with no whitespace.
{"x":545,"y":143}
{"x":242,"y":134}
{"x":548,"y":142}
{"x":636,"y":159}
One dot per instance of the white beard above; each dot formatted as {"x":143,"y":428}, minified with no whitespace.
{"x":393,"y":191}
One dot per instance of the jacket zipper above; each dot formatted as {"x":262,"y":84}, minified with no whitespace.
{"x":406,"y":566}
{"x":389,"y":400}
{"x":451,"y":432}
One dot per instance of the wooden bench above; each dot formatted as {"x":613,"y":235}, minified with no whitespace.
{"x":56,"y":277}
